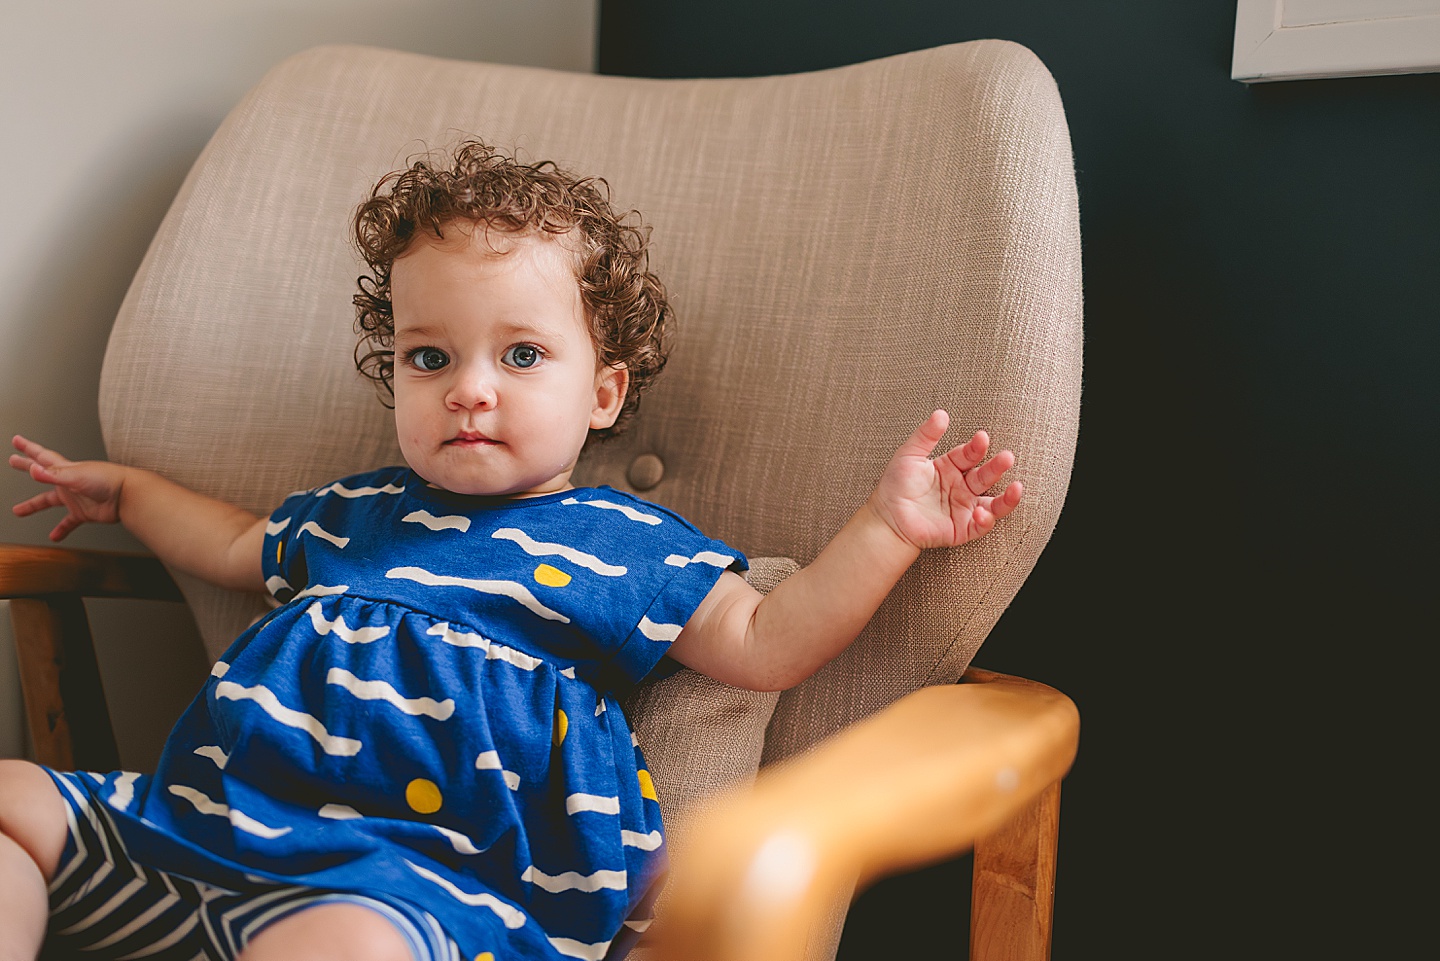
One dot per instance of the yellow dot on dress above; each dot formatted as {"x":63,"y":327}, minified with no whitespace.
{"x":562,"y":725}
{"x":423,"y":796}
{"x":647,"y":785}
{"x":551,"y":576}
{"x":484,"y":956}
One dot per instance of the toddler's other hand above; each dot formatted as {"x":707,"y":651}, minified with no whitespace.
{"x":942,"y":502}
{"x":88,"y":490}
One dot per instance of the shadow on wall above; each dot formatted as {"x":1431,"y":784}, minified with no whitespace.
{"x":153,"y":665}
{"x":63,"y":312}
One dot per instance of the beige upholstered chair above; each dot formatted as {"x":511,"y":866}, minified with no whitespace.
{"x":846,"y":250}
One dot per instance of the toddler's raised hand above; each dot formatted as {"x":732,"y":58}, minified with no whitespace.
{"x":943,"y":502}
{"x":88,"y":490}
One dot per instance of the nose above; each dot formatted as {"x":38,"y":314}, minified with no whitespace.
{"x":472,"y":387}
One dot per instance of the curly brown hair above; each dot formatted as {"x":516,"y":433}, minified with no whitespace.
{"x":624,"y":302}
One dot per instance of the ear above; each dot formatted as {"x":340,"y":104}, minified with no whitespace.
{"x":610,"y":386}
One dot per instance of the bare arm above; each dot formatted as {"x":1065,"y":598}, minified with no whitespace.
{"x":197,"y":534}
{"x":774,"y":642}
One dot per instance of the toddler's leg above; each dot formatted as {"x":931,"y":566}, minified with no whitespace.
{"x":330,"y":932}
{"x":32,"y":837}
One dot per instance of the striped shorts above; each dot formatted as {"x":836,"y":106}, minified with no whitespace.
{"x":105,"y":907}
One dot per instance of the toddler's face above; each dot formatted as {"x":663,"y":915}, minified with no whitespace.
{"x":496,"y":379}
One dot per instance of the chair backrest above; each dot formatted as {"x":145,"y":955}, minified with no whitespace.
{"x":846,"y":251}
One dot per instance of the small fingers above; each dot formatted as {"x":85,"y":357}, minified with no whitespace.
{"x":36,"y":504}
{"x":970,"y":453}
{"x":43,"y":474}
{"x":39,"y":453}
{"x":1007,"y":501}
{"x":984,"y":477}
{"x":922,"y":439}
{"x":62,"y":530}
{"x":989,"y":510}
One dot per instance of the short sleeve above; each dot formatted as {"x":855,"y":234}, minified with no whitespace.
{"x":687,"y":577}
{"x":282,"y":564}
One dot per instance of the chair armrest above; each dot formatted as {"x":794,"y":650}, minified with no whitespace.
{"x":925,"y":779}
{"x":27,"y":571}
{"x":59,"y":676}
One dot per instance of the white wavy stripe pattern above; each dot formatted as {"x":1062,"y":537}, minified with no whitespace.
{"x":490,"y":761}
{"x":624,"y":509}
{"x":206,"y":805}
{"x":450,"y":522}
{"x":270,"y":704}
{"x":124,"y":790}
{"x":712,"y":558}
{"x":213,"y":752}
{"x":354,"y":492}
{"x":458,"y":841}
{"x":645,"y":842}
{"x":384,"y":691}
{"x":602,"y":880}
{"x":659,"y":632}
{"x":543,"y":549}
{"x":310,"y":527}
{"x":338,"y":627}
{"x":511,"y":589}
{"x":493,"y":651}
{"x":579,"y":949}
{"x":320,"y":590}
{"x":599,"y":803}
{"x":509,"y":916}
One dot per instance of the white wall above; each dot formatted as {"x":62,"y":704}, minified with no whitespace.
{"x":104,"y":105}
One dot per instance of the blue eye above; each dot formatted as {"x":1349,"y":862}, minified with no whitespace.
{"x":429,"y":358}
{"x":521,"y":355}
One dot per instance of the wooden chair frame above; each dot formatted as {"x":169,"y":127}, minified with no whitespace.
{"x":945,"y":769}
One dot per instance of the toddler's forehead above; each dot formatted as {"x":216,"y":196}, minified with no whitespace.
{"x":501,"y":240}
{"x":499,"y":243}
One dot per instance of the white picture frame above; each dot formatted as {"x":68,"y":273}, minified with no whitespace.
{"x":1310,"y":39}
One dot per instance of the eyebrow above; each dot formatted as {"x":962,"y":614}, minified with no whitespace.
{"x":520,"y":327}
{"x":422,"y":331}
{"x":511,"y":327}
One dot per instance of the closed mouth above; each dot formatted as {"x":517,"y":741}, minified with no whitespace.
{"x":470,"y":439}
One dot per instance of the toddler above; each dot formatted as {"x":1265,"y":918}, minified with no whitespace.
{"x":420,"y":752}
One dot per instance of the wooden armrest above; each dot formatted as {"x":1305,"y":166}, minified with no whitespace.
{"x":27,"y":571}
{"x":925,"y":779}
{"x":59,"y":677}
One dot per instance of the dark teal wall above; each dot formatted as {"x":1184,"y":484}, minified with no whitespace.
{"x":1234,"y":593}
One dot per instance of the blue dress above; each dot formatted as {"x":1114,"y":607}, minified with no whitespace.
{"x":431,"y":714}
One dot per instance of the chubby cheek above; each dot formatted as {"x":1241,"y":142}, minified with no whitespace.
{"x":409,"y":431}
